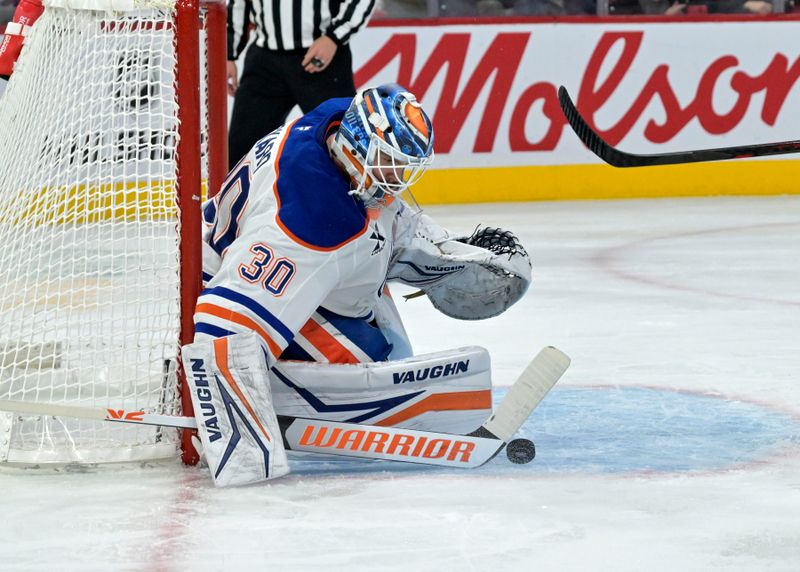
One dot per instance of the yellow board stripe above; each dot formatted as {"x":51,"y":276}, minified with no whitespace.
{"x":82,"y":204}
{"x":87,"y":204}
{"x":578,"y":182}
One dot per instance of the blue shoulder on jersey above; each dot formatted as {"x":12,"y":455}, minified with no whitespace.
{"x":315,"y":204}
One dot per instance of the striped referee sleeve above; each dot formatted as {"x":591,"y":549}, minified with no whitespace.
{"x":353,"y":15}
{"x":238,"y":26}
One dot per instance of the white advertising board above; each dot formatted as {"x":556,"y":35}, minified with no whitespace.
{"x":648,"y":86}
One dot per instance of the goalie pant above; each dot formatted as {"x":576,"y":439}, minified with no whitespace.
{"x":27,"y":12}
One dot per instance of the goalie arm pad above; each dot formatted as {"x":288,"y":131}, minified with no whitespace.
{"x":465,"y":277}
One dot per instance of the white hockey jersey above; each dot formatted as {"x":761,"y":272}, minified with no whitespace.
{"x":284,"y":238}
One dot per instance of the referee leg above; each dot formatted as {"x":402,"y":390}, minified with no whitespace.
{"x":261,"y":104}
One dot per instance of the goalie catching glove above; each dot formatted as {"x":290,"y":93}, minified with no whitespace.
{"x":468,"y":277}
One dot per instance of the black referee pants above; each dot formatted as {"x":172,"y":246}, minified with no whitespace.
{"x":272,"y":83}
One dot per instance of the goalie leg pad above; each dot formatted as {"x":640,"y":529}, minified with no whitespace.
{"x":229,"y":384}
{"x":447,"y":391}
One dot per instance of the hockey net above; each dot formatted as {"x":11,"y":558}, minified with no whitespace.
{"x":104,"y":151}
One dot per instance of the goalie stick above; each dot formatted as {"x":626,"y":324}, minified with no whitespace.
{"x":371,"y":441}
{"x":618,"y":158}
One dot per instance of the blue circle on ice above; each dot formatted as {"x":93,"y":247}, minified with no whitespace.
{"x":638,"y":429}
{"x":601,"y":430}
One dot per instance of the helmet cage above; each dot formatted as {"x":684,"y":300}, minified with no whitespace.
{"x":387,"y":172}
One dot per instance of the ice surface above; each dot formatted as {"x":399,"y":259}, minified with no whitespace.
{"x":670,"y":444}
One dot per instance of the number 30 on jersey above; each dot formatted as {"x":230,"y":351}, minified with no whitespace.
{"x":273,"y":274}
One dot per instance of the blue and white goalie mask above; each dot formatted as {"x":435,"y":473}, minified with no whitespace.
{"x":385,"y":143}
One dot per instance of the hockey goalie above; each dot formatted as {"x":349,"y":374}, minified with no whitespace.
{"x":295,"y":317}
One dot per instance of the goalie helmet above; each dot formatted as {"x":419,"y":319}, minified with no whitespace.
{"x":384,"y":143}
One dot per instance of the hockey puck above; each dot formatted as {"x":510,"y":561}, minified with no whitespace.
{"x":520,"y":451}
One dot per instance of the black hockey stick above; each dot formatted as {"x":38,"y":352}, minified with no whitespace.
{"x":618,"y":158}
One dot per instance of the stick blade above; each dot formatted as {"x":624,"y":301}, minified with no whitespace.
{"x":533,"y":384}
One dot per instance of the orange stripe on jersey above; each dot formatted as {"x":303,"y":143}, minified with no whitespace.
{"x":221,"y":357}
{"x":461,"y":401}
{"x":278,"y":220}
{"x":326,"y":344}
{"x":278,"y":155}
{"x":242,"y":320}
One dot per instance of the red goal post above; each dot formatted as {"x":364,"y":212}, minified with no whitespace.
{"x":216,"y":119}
{"x":112,"y":128}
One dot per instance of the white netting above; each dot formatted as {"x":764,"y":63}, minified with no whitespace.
{"x":89,"y":289}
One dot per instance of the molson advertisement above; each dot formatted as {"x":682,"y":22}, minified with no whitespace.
{"x":647,"y":87}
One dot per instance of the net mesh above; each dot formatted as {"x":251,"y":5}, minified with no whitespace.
{"x":89,"y":288}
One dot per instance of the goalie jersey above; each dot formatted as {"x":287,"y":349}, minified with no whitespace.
{"x":285,"y":244}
